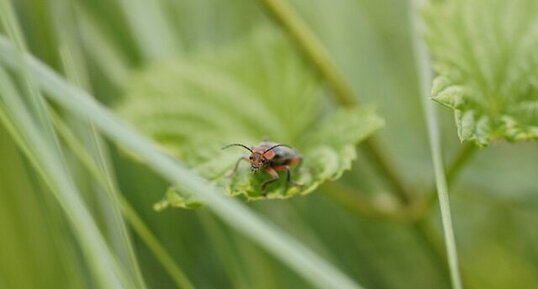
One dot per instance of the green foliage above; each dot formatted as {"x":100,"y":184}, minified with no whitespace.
{"x":247,"y":83}
{"x":194,"y":108}
{"x":485,"y":53}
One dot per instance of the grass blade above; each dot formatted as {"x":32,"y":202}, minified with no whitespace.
{"x":425,"y":79}
{"x":74,"y":66}
{"x":34,"y":122}
{"x":48,"y":163}
{"x":130,"y":214}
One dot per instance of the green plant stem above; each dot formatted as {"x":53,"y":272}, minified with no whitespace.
{"x":130,"y":214}
{"x":462,"y":157}
{"x":292,"y":23}
{"x":316,"y":52}
{"x":425,"y":80}
{"x":352,"y":199}
{"x":314,"y":269}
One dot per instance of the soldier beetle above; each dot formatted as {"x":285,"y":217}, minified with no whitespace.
{"x":272,"y":158}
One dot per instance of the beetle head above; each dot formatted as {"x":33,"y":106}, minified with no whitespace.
{"x":257,"y":161}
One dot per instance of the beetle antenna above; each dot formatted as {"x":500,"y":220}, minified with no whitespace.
{"x":238,"y":145}
{"x":275,"y":146}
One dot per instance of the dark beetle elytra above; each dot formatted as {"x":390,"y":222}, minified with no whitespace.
{"x":272,"y":158}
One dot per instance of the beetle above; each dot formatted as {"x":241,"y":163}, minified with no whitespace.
{"x":271,"y":158}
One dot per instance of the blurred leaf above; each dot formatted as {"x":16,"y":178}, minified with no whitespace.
{"x":498,"y":247}
{"x":204,"y":24}
{"x":256,"y":89}
{"x":485,"y":54}
{"x":177,"y":199}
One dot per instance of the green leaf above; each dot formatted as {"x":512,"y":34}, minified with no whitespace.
{"x":485,"y":53}
{"x":253,"y":90}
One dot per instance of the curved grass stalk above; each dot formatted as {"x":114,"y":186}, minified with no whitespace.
{"x":110,"y":197}
{"x":425,"y":79}
{"x":74,"y":66}
{"x":103,"y":179}
{"x":313,"y":268}
{"x":34,"y":121}
{"x":49,"y":165}
{"x":37,"y":103}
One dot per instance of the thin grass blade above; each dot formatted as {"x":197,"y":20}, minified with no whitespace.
{"x":425,"y":79}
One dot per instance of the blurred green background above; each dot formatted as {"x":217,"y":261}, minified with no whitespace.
{"x":494,"y":199}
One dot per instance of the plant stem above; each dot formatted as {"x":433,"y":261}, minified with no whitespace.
{"x":425,"y":80}
{"x":351,"y":198}
{"x":347,"y":197}
{"x":310,"y":45}
{"x":461,"y":158}
{"x":315,"y":51}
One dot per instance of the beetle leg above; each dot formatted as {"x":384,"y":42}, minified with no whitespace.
{"x":288,"y":178}
{"x":237,"y":166}
{"x":288,"y":173}
{"x":271,"y":171}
